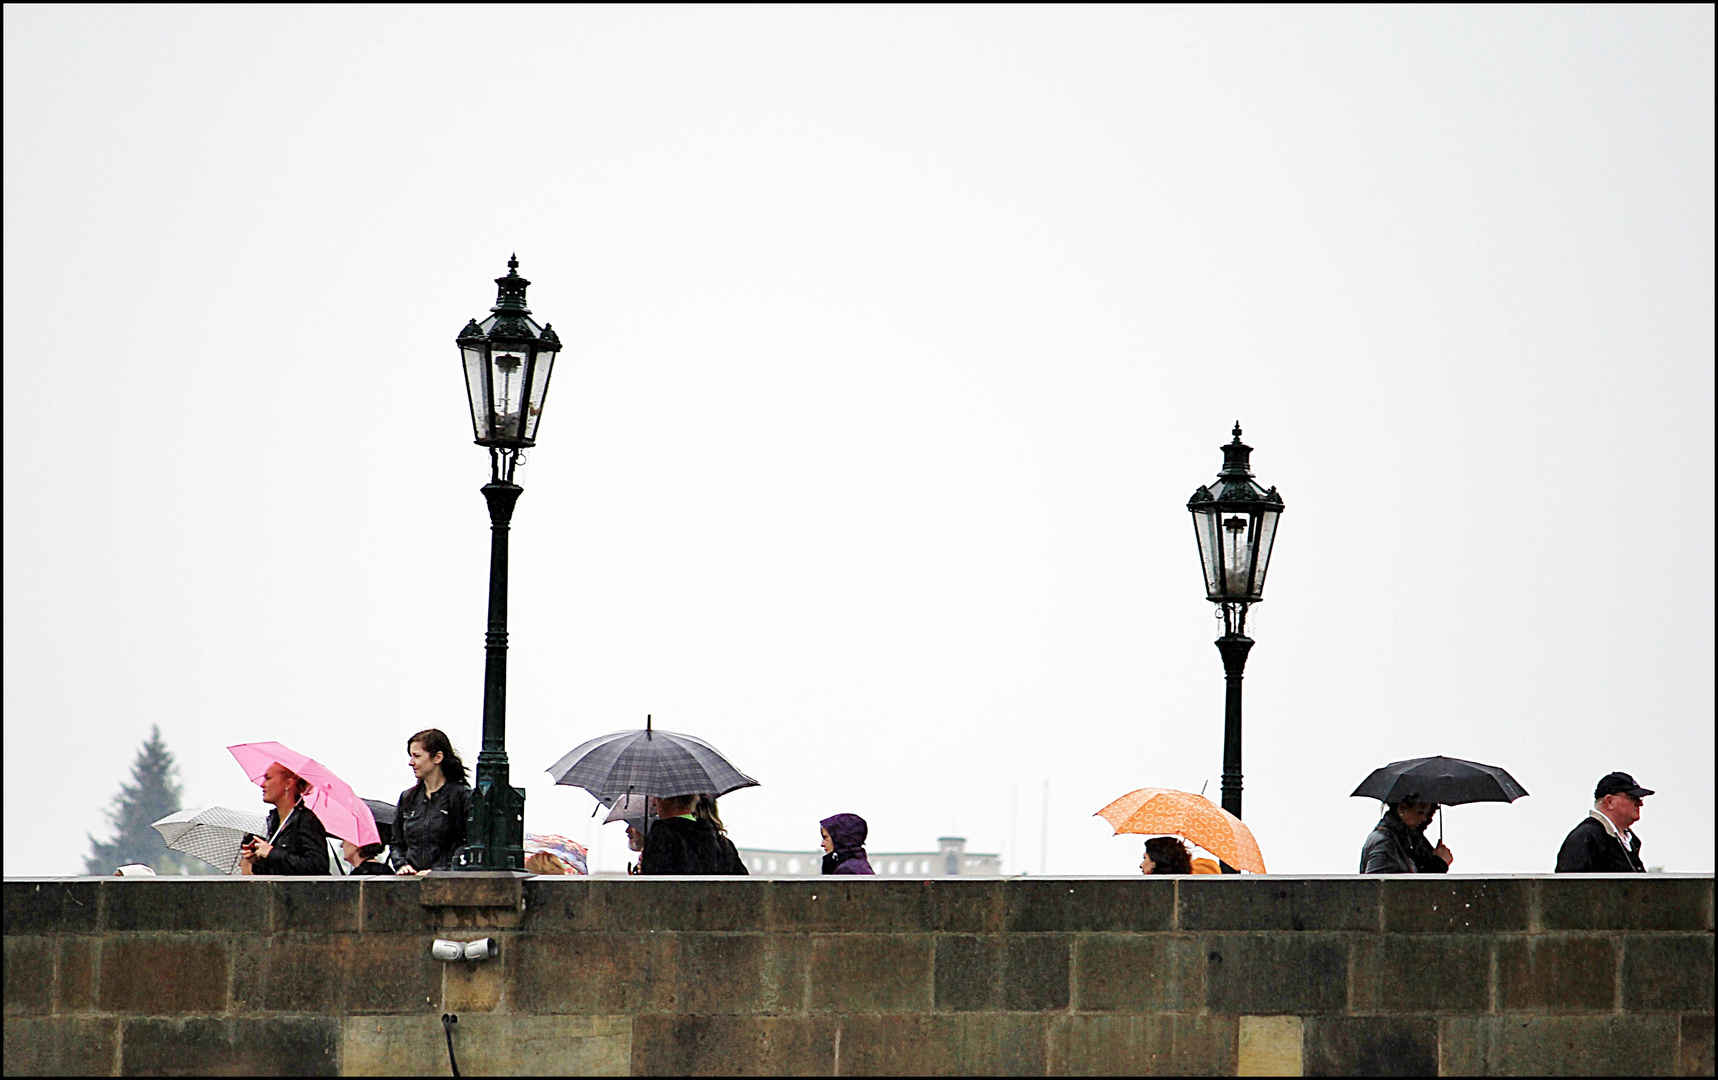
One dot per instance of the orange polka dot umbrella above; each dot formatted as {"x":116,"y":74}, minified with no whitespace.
{"x":1155,"y":811}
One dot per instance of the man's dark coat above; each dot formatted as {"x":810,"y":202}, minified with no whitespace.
{"x":1590,"y":849}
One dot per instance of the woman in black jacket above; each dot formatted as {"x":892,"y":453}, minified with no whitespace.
{"x":684,"y":841}
{"x":297,"y":843}
{"x":429,"y":821}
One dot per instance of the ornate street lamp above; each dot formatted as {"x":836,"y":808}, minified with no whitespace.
{"x":1235,"y":520}
{"x":508,"y":358}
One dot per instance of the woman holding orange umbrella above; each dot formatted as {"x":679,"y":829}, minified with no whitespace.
{"x":1165,"y":812}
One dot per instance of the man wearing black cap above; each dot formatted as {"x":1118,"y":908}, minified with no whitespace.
{"x":1604,"y":844}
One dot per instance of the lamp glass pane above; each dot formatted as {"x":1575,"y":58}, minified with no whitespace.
{"x":476,"y":389}
{"x":539,"y":390}
{"x":507,"y":377}
{"x":1236,"y":534}
{"x":1205,"y":528}
{"x":1267,"y":536}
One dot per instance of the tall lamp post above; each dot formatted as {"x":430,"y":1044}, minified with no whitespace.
{"x":507,"y":358}
{"x":1235,"y":520}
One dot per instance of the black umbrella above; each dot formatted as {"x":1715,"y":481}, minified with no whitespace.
{"x":384,"y":813}
{"x":648,"y":762}
{"x":1447,"y":781}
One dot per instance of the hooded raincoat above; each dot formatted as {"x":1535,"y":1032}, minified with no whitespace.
{"x":848,"y":831}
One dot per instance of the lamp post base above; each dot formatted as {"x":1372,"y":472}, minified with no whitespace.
{"x":495,"y":830}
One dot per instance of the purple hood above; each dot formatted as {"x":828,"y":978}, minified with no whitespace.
{"x":847,"y":830}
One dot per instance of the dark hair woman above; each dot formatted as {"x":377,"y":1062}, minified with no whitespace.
{"x":429,"y":821}
{"x":1166,"y":855}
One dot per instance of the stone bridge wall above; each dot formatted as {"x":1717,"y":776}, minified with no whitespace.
{"x":1410,"y":975}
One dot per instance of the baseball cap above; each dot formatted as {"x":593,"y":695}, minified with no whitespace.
{"x":1620,"y":783}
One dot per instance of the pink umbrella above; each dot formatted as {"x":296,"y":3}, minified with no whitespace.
{"x":330,"y":798}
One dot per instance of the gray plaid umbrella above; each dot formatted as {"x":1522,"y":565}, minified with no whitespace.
{"x":212,"y":835}
{"x":648,"y":762}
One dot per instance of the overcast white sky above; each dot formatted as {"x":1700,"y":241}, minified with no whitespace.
{"x":897,"y":339}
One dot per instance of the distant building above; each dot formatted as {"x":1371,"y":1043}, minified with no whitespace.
{"x":951,"y":859}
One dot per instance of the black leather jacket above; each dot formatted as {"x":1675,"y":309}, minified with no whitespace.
{"x":429,"y":830}
{"x":300,"y":849}
{"x":1393,"y":848}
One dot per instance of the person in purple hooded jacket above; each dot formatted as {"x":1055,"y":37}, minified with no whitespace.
{"x":844,"y":845}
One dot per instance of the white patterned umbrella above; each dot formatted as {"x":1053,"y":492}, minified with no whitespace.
{"x":213,"y":835}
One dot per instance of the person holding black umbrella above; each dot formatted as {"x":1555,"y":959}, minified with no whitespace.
{"x":1605,"y":843}
{"x":1398,"y":845}
{"x":1412,"y":791}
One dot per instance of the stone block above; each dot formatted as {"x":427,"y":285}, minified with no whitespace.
{"x":731,"y":904}
{"x":1694,"y":1055}
{"x":1091,"y":906}
{"x":555,"y":903}
{"x":851,"y":904}
{"x":1616,"y":1045}
{"x":187,"y":903}
{"x":51,"y":907}
{"x":74,"y":988}
{"x":61,"y":1046}
{"x":1557,"y":973}
{"x":391,"y":905}
{"x":30,"y":975}
{"x":967,"y":971}
{"x":964,"y":906}
{"x":1667,"y":971}
{"x":487,"y":1045}
{"x":1417,"y":973}
{"x":1027,"y":973}
{"x":871,"y":973}
{"x":1625,"y":902}
{"x":396,"y":974}
{"x":1270,"y":1046}
{"x":162,"y":975}
{"x":477,"y":987}
{"x":306,"y":973}
{"x":478,"y":889}
{"x":1153,"y":1044}
{"x":247,"y":959}
{"x":733,"y":1046}
{"x":1275,"y":973}
{"x":595,"y":973}
{"x":740,"y":973}
{"x":1371,"y":1046}
{"x":1138,"y":973}
{"x":1234,"y":902}
{"x":1435,"y":903}
{"x":232,"y":1046}
{"x":967,"y":1044}
{"x":1035,"y":972}
{"x":316,"y":905}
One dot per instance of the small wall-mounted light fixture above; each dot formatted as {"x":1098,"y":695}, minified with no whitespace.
{"x":448,"y":951}
{"x":481,"y":949}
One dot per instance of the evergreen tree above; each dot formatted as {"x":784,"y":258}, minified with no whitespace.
{"x":152,"y":794}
